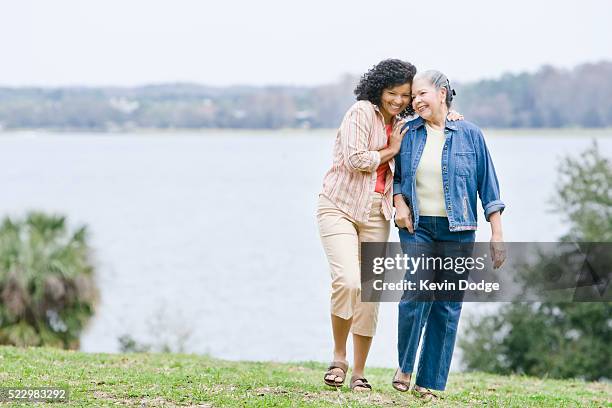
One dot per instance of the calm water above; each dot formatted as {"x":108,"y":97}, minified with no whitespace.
{"x":212,"y":237}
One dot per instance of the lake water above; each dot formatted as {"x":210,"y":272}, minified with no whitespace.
{"x":211,"y":237}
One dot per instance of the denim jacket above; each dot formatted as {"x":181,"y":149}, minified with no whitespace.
{"x":467,"y":169}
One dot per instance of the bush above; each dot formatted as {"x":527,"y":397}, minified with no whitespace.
{"x":47,"y":287}
{"x":559,"y":340}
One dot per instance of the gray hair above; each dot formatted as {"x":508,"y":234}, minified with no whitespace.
{"x":438,"y":80}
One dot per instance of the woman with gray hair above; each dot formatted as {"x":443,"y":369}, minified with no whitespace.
{"x":441,"y":168}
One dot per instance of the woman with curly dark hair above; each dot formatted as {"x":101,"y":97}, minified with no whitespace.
{"x":356,"y":205}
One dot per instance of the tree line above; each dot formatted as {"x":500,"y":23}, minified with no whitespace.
{"x":550,"y":97}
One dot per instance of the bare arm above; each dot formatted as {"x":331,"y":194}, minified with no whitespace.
{"x":496,"y":226}
{"x":498,"y":250}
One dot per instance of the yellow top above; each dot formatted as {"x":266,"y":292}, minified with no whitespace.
{"x":429,"y":189}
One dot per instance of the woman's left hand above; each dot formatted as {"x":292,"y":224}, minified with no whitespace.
{"x":454,"y":115}
{"x":498,"y":252}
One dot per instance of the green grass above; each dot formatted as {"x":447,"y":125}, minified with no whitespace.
{"x":156,"y":380}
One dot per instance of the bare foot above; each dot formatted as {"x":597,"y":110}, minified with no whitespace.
{"x":401,"y":381}
{"x":360,"y":384}
{"x":425,"y":394}
{"x":335,"y":375}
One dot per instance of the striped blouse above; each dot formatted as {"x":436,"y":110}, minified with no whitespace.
{"x":350,"y":182}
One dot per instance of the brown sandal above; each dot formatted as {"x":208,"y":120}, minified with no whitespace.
{"x":359,"y":382}
{"x":332,"y":382}
{"x":400,"y":384}
{"x":426,"y":395}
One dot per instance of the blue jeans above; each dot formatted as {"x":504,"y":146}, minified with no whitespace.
{"x":437,"y":320}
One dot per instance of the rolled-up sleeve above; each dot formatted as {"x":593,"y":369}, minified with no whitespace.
{"x":355,"y":135}
{"x":488,"y":185}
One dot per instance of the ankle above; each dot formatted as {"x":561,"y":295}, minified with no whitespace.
{"x":400,"y":374}
{"x":358,"y":373}
{"x":340,"y":356}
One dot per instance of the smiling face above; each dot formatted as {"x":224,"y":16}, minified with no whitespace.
{"x":427,"y":101}
{"x":394,"y":100}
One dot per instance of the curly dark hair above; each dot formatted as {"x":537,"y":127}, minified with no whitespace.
{"x":386,"y":74}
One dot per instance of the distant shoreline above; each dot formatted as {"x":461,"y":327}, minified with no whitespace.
{"x":598,"y":132}
{"x":549,"y":97}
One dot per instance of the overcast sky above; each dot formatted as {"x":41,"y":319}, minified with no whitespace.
{"x":133,"y":42}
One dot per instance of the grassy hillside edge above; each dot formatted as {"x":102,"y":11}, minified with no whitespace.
{"x":156,"y":380}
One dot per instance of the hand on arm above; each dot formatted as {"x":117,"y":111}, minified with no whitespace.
{"x":454,"y":115}
{"x":395,"y":142}
{"x":356,"y":131}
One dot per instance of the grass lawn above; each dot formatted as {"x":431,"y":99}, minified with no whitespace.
{"x":168,"y":380}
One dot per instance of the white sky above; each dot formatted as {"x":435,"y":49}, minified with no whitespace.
{"x":133,"y":42}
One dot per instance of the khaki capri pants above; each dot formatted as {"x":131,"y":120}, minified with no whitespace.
{"x":341,"y":236}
